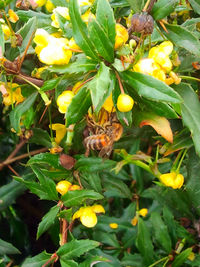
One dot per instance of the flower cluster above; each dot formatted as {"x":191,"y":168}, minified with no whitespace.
{"x":64,"y":186}
{"x":87,"y":215}
{"x":52,"y":50}
{"x":172,"y":179}
{"x":11,"y":93}
{"x":158,"y":64}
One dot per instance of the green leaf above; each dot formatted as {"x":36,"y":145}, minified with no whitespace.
{"x":7,"y":248}
{"x":79,"y":106}
{"x":37,"y":261}
{"x":144,"y":243}
{"x":183,"y":38}
{"x":80,"y":32}
{"x":2,"y":42}
{"x":19,"y":110}
{"x":161,"y":232}
{"x":9,"y":192}
{"x":27,"y":31}
{"x":181,"y":258}
{"x":47,"y":220}
{"x":99,"y":87}
{"x":46,"y":158}
{"x":136,"y":5}
{"x":105,"y":18}
{"x":50,"y":84}
{"x":46,"y":183}
{"x":92,"y":261}
{"x":75,"y":198}
{"x":193,"y":181}
{"x":76,"y":248}
{"x":101,"y":41}
{"x":190,"y":113}
{"x":107,"y":238}
{"x":163,"y":8}
{"x":195,"y":5}
{"x":68,"y":263}
{"x":4,"y":3}
{"x":149,"y":87}
{"x":79,"y":66}
{"x":93,"y":180}
{"x":66,"y":214}
{"x":93,"y":164}
{"x":40,"y":137}
{"x":170,"y":222}
{"x":42,"y":18}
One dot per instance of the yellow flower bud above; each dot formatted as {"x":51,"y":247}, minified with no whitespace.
{"x":121,"y":35}
{"x":63,"y":187}
{"x":74,"y":187}
{"x":49,"y":6}
{"x":6,"y":31}
{"x":134,"y":221}
{"x":143,"y":212}
{"x":12,"y":16}
{"x":125,"y":103}
{"x":60,"y":131}
{"x":172,"y":179}
{"x":113,"y":225}
{"x":64,"y":100}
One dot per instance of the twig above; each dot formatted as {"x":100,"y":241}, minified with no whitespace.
{"x":11,"y":160}
{"x":150,"y":6}
{"x":80,"y":85}
{"x":17,"y":148}
{"x":76,"y":175}
{"x":15,"y":173}
{"x":23,"y":78}
{"x":120,"y":83}
{"x":64,"y":232}
{"x":53,"y":257}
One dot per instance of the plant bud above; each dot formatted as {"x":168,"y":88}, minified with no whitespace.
{"x":142,"y":23}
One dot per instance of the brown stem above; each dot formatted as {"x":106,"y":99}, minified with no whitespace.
{"x":43,"y":114}
{"x":12,"y":170}
{"x":120,"y":83}
{"x":54,"y":257}
{"x":17,"y":148}
{"x":11,"y":160}
{"x":148,"y":6}
{"x":20,"y":79}
{"x":84,"y":83}
{"x":64,"y":232}
{"x":76,"y":175}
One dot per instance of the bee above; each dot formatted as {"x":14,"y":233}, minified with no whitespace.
{"x":103,"y":137}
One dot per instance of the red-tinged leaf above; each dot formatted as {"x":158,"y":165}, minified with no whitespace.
{"x":160,"y":124}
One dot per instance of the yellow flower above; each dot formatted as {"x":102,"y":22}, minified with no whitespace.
{"x":51,"y":50}
{"x":175,"y":78}
{"x":134,"y":221}
{"x":113,"y":225}
{"x":63,"y":187}
{"x":74,"y":187}
{"x":191,"y":257}
{"x":121,"y":35}
{"x":40,"y":3}
{"x":63,"y":11}
{"x":109,"y":105}
{"x":12,"y":16}
{"x":87,"y":215}
{"x":60,"y":131}
{"x":172,"y":179}
{"x":5,"y":29}
{"x":11,"y":93}
{"x":146,"y":66}
{"x":49,"y":6}
{"x":64,"y":100}
{"x":73,"y":45}
{"x":143,"y":212}
{"x":36,"y":73}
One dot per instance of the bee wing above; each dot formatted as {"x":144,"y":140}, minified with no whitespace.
{"x":106,"y":151}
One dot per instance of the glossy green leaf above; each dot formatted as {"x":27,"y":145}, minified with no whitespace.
{"x":105,"y":18}
{"x":74,"y":198}
{"x":181,"y":258}
{"x":79,"y":106}
{"x":7,"y":248}
{"x":163,"y":8}
{"x":47,"y":220}
{"x":195,"y":5}
{"x":79,"y":66}
{"x":150,"y":87}
{"x":183,"y":38}
{"x":9,"y":192}
{"x":2,"y":42}
{"x":161,"y":232}
{"x":193,"y":181}
{"x":101,"y":41}
{"x":19,"y":110}
{"x":68,"y":263}
{"x":100,"y":87}
{"x":46,"y":183}
{"x":93,"y":180}
{"x":109,"y":239}
{"x":50,"y":84}
{"x":144,"y":243}
{"x":40,"y":137}
{"x":42,"y":19}
{"x":46,"y":158}
{"x":190,"y":113}
{"x":93,"y":164}
{"x":76,"y":248}
{"x":80,"y":32}
{"x":37,"y":261}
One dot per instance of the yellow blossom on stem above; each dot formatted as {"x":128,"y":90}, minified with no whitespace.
{"x":51,"y":50}
{"x":113,"y":225}
{"x":121,"y":35}
{"x":12,"y":16}
{"x":64,"y":100}
{"x":143,"y":212}
{"x":109,"y":105}
{"x":62,"y":187}
{"x":11,"y":93}
{"x":60,"y":131}
{"x":172,"y":179}
{"x":87,"y":215}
